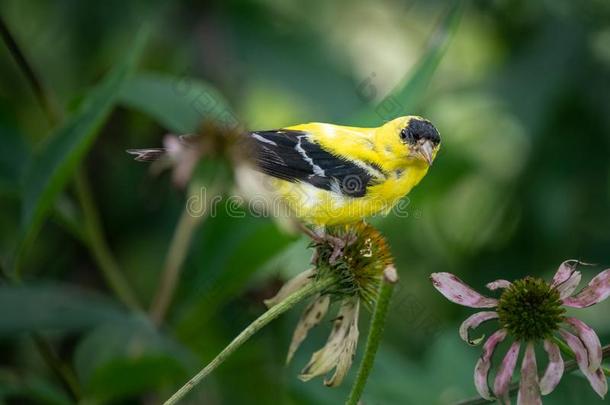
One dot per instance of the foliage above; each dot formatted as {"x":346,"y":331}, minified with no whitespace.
{"x":518,"y":90}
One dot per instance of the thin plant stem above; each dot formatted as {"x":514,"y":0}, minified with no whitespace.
{"x":569,"y":366}
{"x":95,"y":241}
{"x":62,"y":370}
{"x":178,"y":249}
{"x":40,"y":93}
{"x":375,"y":334}
{"x":565,"y":349}
{"x":98,"y":246}
{"x":272,"y":313}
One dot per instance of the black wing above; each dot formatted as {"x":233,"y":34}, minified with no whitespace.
{"x":290,"y":155}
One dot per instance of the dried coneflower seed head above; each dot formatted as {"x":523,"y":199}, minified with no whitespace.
{"x":360,"y":267}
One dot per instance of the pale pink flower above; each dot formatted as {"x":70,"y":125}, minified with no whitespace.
{"x":532,"y":311}
{"x":177,"y":153}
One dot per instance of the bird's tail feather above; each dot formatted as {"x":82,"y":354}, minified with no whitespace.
{"x":172,"y":141}
{"x":147,"y":155}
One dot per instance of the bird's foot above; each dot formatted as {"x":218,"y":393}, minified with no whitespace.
{"x":337,"y":244}
{"x":320,"y":237}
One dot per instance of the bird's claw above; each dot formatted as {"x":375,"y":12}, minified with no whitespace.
{"x":337,"y":244}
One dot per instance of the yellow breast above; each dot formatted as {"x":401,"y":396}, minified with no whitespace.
{"x":321,"y":207}
{"x":378,"y":150}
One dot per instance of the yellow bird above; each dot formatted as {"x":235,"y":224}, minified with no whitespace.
{"x":333,"y":174}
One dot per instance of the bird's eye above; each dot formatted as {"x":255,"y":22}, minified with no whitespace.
{"x":404,"y":135}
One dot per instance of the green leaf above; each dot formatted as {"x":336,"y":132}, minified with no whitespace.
{"x":13,"y":154}
{"x":404,"y":99}
{"x":226,"y":243}
{"x":179,"y":104}
{"x":30,"y":389}
{"x":130,"y":336}
{"x":125,"y":377}
{"x":123,"y":358}
{"x":53,"y":165}
{"x":52,"y":307}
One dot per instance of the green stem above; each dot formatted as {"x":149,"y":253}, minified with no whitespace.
{"x":563,"y":347}
{"x":569,"y":366}
{"x":96,"y":241}
{"x":187,"y":224}
{"x":374,"y":338}
{"x":258,"y":324}
{"x":40,"y":93}
{"x":97,"y":244}
{"x":62,"y":370}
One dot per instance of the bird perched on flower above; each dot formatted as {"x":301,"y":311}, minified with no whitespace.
{"x":333,"y":174}
{"x":357,"y":277}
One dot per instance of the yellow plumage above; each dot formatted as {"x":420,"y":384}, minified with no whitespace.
{"x":395,"y":165}
{"x":333,"y":174}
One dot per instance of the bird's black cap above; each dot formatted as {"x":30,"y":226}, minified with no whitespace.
{"x":420,"y":129}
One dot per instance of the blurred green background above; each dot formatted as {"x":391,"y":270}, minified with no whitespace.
{"x":521,"y":98}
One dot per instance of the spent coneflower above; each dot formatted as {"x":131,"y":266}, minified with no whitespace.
{"x":357,"y":272}
{"x":352,"y":279}
{"x":531,"y":311}
{"x":182,"y":153}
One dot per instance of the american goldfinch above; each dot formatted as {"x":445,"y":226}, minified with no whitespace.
{"x":333,"y":174}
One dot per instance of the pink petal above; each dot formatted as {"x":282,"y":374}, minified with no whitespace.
{"x":580,"y":353}
{"x":554,"y":370}
{"x":481,"y":370}
{"x":599,"y":382}
{"x":455,"y":290}
{"x":473,"y":322}
{"x":564,"y":272}
{"x":590,"y":340}
{"x":596,"y":378}
{"x":529,"y":391}
{"x":505,"y":373}
{"x":597,"y":291}
{"x":566,"y":288}
{"x":494,"y":285}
